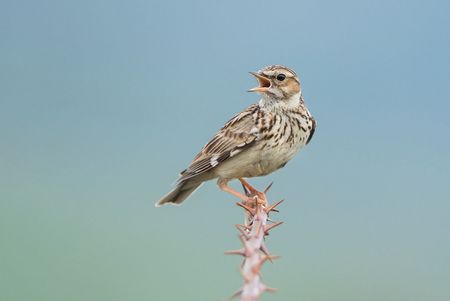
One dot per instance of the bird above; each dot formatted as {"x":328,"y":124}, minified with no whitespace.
{"x":256,"y":142}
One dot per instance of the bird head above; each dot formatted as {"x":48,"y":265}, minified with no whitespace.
{"x":277,"y":82}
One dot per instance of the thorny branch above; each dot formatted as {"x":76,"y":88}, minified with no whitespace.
{"x":254,"y":249}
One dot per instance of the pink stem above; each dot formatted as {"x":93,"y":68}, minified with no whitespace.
{"x":253,"y":261}
{"x":254,"y":251}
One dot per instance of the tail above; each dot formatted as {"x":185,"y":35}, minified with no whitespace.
{"x":181,"y":192}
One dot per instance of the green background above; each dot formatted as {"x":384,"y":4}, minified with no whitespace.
{"x":102,"y":103}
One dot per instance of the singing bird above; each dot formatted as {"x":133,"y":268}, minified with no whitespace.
{"x":255,"y":142}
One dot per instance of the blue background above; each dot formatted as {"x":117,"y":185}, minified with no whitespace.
{"x":102,"y":103}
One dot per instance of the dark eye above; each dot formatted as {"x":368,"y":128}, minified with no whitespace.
{"x":281,"y":77}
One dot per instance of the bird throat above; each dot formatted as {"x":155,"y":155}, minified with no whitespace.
{"x":272,"y":103}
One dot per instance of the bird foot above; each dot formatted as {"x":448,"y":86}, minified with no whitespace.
{"x":254,"y":196}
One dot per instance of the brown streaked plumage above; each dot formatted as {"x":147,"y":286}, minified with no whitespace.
{"x":255,"y":142}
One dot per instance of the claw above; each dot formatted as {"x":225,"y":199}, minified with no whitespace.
{"x":246,"y":191}
{"x":247,"y":187}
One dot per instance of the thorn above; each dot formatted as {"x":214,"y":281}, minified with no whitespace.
{"x":270,"y":258}
{"x":271,"y":207}
{"x":268,"y":187}
{"x":242,"y":265}
{"x":245,"y":243}
{"x":243,"y":239}
{"x":270,"y":227}
{"x":236,"y":252}
{"x":264,"y":258}
{"x":269,"y":289}
{"x":250,"y":210}
{"x":241,"y":229}
{"x":264,"y":249}
{"x":236,"y":294}
{"x":271,"y":220}
{"x":245,"y":227}
{"x":256,"y":268}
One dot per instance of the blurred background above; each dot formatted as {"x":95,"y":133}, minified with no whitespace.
{"x":102,"y":103}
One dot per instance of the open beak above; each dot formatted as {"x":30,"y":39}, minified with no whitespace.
{"x":264,"y":83}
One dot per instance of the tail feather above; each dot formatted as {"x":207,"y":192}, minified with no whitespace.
{"x":181,"y":192}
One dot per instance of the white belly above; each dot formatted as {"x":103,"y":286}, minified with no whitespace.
{"x":259,"y":159}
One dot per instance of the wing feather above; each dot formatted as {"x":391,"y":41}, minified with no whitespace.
{"x":235,"y":136}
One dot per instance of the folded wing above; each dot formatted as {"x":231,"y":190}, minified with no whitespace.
{"x":235,"y":136}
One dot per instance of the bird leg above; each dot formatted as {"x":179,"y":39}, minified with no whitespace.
{"x":223,"y":186}
{"x":252,"y":191}
{"x":252,"y":196}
